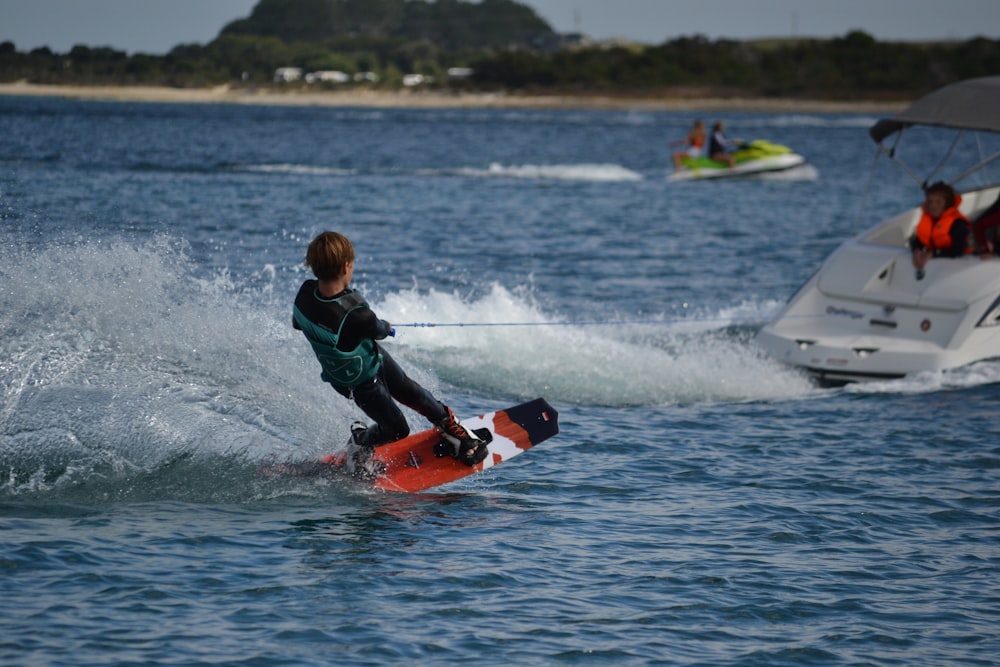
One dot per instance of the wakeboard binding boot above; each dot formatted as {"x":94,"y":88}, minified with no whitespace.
{"x":468,"y":446}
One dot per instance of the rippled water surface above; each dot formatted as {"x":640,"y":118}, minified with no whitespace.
{"x":702,"y":505}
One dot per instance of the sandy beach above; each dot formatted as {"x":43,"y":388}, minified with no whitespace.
{"x":678,"y":101}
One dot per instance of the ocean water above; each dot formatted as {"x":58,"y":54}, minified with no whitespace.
{"x":702,"y":504}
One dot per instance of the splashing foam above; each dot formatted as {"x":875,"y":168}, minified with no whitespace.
{"x":614,"y":365}
{"x":973,"y":375}
{"x":565,"y":172}
{"x":114,"y":356}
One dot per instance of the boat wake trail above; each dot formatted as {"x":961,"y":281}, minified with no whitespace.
{"x":507,"y":343}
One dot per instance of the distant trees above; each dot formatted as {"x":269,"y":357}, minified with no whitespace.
{"x":853,"y":65}
{"x":508,"y":47}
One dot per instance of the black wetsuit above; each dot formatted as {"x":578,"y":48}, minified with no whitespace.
{"x":353,"y":327}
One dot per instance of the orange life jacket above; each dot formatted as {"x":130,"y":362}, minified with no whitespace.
{"x":936,"y":234}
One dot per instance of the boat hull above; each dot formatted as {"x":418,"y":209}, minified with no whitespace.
{"x":865,"y":315}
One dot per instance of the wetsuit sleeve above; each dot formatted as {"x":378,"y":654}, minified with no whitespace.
{"x":382,"y":329}
{"x":360,"y":324}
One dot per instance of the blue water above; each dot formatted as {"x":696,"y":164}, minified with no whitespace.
{"x":702,"y":505}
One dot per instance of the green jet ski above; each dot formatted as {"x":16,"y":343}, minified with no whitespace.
{"x":752,"y":158}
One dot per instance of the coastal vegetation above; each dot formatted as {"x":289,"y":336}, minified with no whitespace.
{"x":502,"y":45}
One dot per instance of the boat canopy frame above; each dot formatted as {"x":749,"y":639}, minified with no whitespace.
{"x":965,"y":106}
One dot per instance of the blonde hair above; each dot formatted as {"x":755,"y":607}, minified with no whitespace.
{"x":328,"y":254}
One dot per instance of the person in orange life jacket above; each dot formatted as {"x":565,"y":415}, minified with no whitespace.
{"x":693,"y":144}
{"x":344,"y":333}
{"x":942,"y":230}
{"x":718,"y":145}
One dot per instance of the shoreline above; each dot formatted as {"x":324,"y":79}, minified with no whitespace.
{"x":441,"y":100}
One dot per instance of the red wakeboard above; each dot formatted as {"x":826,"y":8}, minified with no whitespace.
{"x":410,"y":465}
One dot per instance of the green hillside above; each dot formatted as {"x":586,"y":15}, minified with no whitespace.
{"x":451,"y":25}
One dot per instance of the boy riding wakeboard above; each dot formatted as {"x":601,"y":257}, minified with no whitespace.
{"x":344,"y":333}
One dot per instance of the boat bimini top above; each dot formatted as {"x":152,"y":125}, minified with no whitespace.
{"x":970,"y":105}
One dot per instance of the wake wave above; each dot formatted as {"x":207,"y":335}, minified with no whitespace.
{"x":805,"y":172}
{"x":568,"y":172}
{"x":974,"y":375}
{"x":564,"y":172}
{"x":653,"y":361}
{"x":297,"y":169}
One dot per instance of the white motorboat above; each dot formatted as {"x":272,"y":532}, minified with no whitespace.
{"x":751,"y":159}
{"x":866,"y":314}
